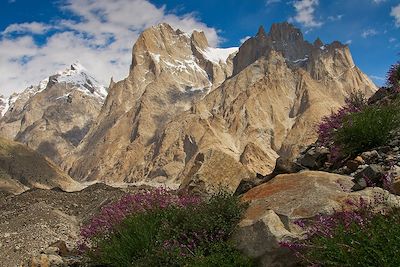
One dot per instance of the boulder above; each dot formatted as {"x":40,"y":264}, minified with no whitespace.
{"x":214,"y":171}
{"x":314,"y":158}
{"x":277,"y":204}
{"x":371,"y":175}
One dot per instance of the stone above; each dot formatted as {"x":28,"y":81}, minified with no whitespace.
{"x":285,"y":165}
{"x":275,"y":206}
{"x":352,"y":165}
{"x":396,"y":185}
{"x":314,"y":159}
{"x":214,"y":171}
{"x":369,"y":156}
{"x":360,"y":160}
{"x":372,"y":174}
{"x":360,"y":184}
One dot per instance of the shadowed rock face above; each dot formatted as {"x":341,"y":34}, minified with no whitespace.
{"x":22,"y":168}
{"x":53,"y":117}
{"x":178,"y":102}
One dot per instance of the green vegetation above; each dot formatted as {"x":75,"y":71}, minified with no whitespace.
{"x":369,"y":128}
{"x":163,"y":230}
{"x":376,"y":243}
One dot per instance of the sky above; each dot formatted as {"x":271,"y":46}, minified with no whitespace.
{"x":38,"y":38}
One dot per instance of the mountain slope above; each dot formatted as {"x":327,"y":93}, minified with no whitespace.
{"x":22,"y":168}
{"x":170,"y":70}
{"x":54,"y":116}
{"x":281,"y":86}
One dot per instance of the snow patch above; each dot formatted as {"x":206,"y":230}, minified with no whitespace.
{"x":300,"y":60}
{"x":218,"y":54}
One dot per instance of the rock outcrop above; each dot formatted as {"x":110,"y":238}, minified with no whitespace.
{"x":54,"y":116}
{"x":275,"y":206}
{"x":22,"y":168}
{"x":173,"y":106}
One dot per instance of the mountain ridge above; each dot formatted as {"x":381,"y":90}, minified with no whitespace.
{"x":130,"y":145}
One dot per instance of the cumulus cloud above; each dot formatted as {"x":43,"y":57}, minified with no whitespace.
{"x":378,"y":1}
{"x":100,"y":38}
{"x":395,"y":12}
{"x":305,"y":10}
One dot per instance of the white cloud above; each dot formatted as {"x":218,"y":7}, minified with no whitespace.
{"x":101,"y":39}
{"x":335,"y":18}
{"x":377,"y":78}
{"x":395,"y":12}
{"x":305,"y":10}
{"x":369,"y":32}
{"x":378,"y":1}
{"x":392,"y":40}
{"x":31,"y":27}
{"x":270,"y":2}
{"x":349,"y":42}
{"x":244,"y":39}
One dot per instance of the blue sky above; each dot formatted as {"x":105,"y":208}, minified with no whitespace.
{"x":38,"y":38}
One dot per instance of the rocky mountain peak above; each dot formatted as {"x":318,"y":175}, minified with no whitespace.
{"x":317,"y":59}
{"x":318,"y":43}
{"x":261,"y":32}
{"x":285,"y":32}
{"x":199,"y":39}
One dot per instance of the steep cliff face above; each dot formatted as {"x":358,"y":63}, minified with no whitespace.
{"x":157,"y":123}
{"x":54,"y":116}
{"x":170,"y":70}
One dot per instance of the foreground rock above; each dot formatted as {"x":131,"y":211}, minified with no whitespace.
{"x":276,"y":205}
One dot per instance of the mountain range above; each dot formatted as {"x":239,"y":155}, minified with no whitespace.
{"x":187,"y":113}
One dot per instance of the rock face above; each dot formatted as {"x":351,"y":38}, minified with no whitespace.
{"x":277,"y":204}
{"x":22,"y":168}
{"x":177,"y":103}
{"x":54,"y":116}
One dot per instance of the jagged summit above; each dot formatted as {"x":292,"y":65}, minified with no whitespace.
{"x":289,"y":41}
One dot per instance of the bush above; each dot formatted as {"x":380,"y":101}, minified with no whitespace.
{"x":330,"y":124}
{"x":351,"y":238}
{"x":166,"y":230}
{"x":393,"y":77}
{"x":368,"y":128}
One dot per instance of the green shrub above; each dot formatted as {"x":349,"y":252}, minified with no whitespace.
{"x":375,"y":244}
{"x":173,"y":235}
{"x":368,"y":129}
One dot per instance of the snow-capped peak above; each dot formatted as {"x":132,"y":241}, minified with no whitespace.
{"x":77,"y":75}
